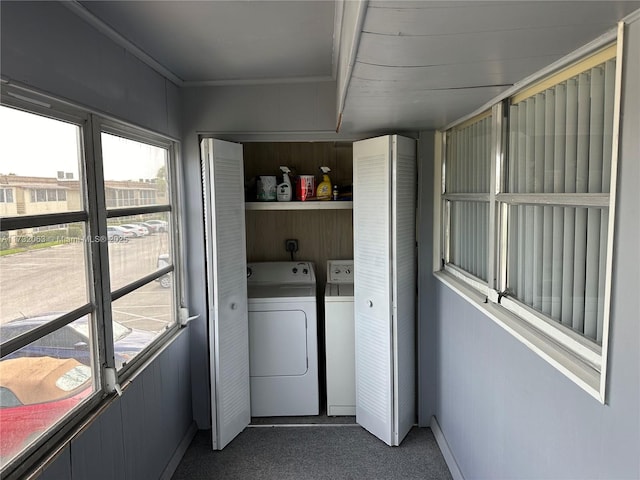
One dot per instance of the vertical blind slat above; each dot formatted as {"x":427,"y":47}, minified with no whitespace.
{"x":591,"y":273}
{"x":473,"y":159}
{"x":512,"y":170}
{"x":596,"y":132}
{"x":571,"y":154}
{"x":547,"y":241}
{"x":529,"y":165}
{"x":571,"y":157}
{"x":607,"y":141}
{"x":604,"y":228}
{"x":538,"y":187}
{"x":560,"y":118}
{"x":522,"y":188}
{"x":582,"y":180}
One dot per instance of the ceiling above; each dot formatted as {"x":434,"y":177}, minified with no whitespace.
{"x":221,"y":42}
{"x":416,"y":65}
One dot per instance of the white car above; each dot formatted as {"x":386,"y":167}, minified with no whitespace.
{"x":138,"y":230}
{"x":116,"y":232}
{"x":160,"y":224}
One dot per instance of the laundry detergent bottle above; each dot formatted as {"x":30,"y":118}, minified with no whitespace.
{"x":323,"y":192}
{"x":283,"y":192}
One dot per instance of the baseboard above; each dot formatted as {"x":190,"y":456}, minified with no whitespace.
{"x":179,"y":453}
{"x":446,"y":451}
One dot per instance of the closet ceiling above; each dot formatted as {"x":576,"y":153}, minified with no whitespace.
{"x":418,"y":65}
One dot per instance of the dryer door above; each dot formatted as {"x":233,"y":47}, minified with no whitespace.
{"x":223,"y":185}
{"x":278,"y":343}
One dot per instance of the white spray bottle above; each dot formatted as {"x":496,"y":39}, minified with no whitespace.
{"x":283,"y":192}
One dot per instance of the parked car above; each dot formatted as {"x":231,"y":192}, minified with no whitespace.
{"x":72,"y":340}
{"x":153,"y":228}
{"x":162,"y":225}
{"x":164,"y":261}
{"x":143,"y":228}
{"x":36,"y":392}
{"x":117,"y":233}
{"x":138,"y":230}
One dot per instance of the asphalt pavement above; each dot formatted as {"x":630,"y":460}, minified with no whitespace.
{"x":55,"y":279}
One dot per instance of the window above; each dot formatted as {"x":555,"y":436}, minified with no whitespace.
{"x":536,"y":242}
{"x":36,"y":303}
{"x":560,"y":142}
{"x":136,"y":266}
{"x":467,"y":196}
{"x":6,"y":195}
{"x":102,"y":299}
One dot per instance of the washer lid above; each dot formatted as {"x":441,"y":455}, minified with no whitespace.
{"x":283,"y":290}
{"x":339,"y":290}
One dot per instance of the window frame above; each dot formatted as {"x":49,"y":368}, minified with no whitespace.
{"x":581,"y":359}
{"x":475,"y":198}
{"x":94,"y":216}
{"x":113,"y":127}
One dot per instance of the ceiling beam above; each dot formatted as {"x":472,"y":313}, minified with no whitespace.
{"x":354,"y":31}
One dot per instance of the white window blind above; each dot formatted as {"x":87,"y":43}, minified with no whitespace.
{"x":559,"y":172}
{"x":527,"y":206}
{"x":468,"y":168}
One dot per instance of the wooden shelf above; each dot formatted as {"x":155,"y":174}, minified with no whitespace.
{"x":293,"y":205}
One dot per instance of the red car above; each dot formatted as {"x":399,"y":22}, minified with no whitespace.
{"x":36,"y":392}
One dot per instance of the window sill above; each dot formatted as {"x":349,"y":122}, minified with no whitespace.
{"x":574,"y":368}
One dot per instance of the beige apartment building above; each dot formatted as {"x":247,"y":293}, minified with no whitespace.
{"x":28,"y":195}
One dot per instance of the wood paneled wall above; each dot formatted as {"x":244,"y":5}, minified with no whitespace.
{"x":303,"y":158}
{"x":322,"y":234}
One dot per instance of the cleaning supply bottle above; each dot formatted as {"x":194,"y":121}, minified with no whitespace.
{"x":323,"y":192}
{"x":283,"y":192}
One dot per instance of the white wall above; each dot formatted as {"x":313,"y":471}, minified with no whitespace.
{"x":46,"y":46}
{"x":504,"y":411}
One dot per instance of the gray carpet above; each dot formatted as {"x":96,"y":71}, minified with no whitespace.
{"x":313,"y":453}
{"x":308,"y":420}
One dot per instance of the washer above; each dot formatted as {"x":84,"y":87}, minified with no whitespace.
{"x":283,"y":343}
{"x":340,"y":338}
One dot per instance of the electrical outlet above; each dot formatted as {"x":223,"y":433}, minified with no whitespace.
{"x":291,"y":245}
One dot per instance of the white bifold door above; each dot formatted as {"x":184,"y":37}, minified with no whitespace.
{"x":384,"y":204}
{"x":223,"y":187}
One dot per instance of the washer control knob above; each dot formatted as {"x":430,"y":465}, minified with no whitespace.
{"x":305,"y":271}
{"x":369,"y":303}
{"x":295,"y":270}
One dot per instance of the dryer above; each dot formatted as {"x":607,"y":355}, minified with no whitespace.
{"x":283,"y":344}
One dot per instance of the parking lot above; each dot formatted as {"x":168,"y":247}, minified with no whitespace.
{"x":54,"y":279}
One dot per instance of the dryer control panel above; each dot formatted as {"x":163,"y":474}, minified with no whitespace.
{"x":281,"y":272}
{"x":340,"y":271}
